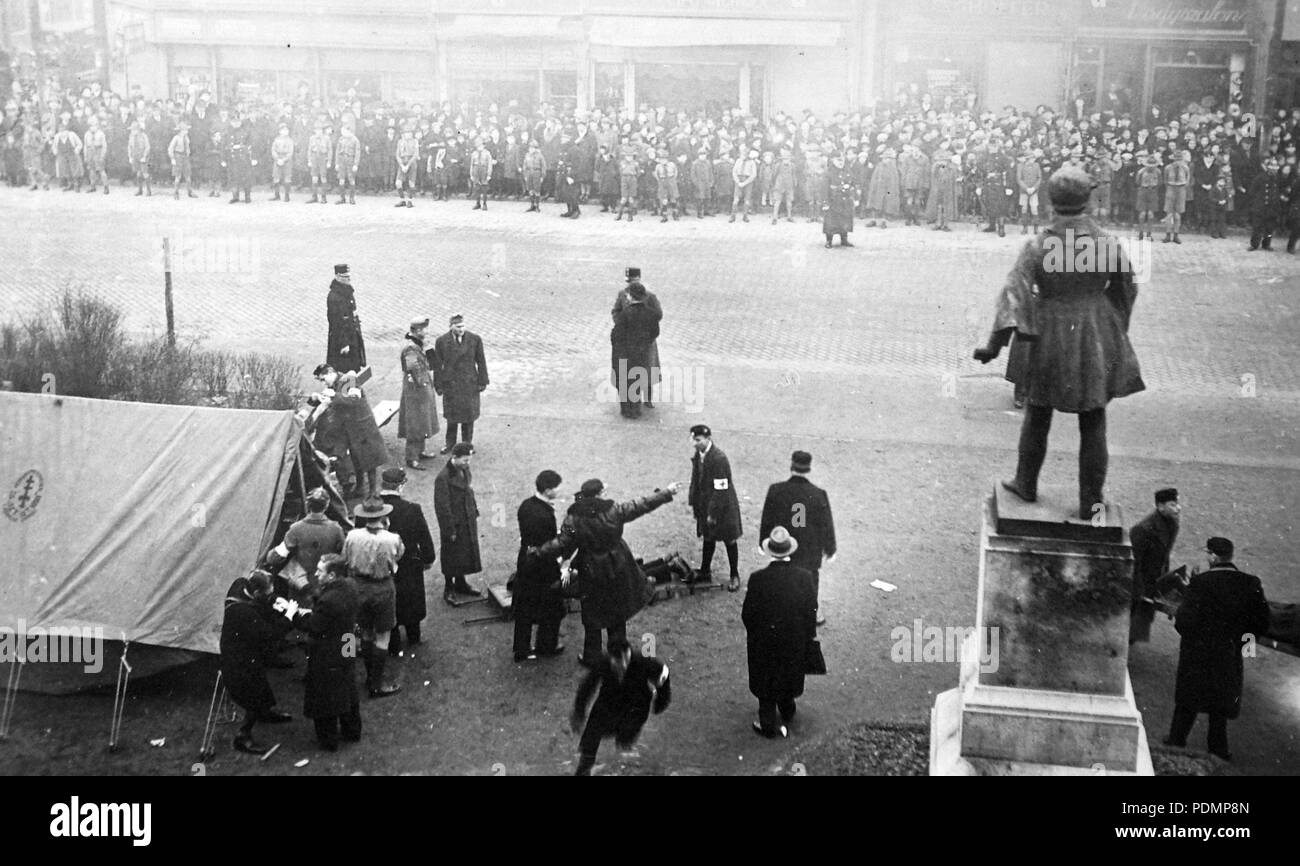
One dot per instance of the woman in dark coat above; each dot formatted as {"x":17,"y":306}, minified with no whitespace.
{"x":780,"y":615}
{"x":537,"y":598}
{"x":1082,"y":358}
{"x":837,"y":215}
{"x":331,"y":698}
{"x":457,"y":513}
{"x":607,"y":174}
{"x":612,"y":584}
{"x":250,"y":632}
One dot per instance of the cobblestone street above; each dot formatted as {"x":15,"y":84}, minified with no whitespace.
{"x":861,"y":356}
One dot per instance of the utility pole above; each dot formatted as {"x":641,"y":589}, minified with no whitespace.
{"x":103,"y":50}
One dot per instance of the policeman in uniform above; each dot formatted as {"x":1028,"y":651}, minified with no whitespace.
{"x":239,"y":160}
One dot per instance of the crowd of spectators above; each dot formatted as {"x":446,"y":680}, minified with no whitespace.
{"x":80,"y":139}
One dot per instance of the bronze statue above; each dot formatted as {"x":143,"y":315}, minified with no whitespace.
{"x":1078,"y":324}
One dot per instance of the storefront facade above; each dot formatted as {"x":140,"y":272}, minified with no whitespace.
{"x":763,"y":55}
{"x":1127,"y":54}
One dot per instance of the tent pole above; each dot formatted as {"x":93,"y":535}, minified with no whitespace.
{"x":11,"y":696}
{"x":206,"y":751}
{"x":302,"y":483}
{"x":119,"y":699}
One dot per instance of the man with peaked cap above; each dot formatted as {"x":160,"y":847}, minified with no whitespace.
{"x":456,"y":508}
{"x":345,"y":350}
{"x":1152,"y":538}
{"x":239,"y":159}
{"x":716,"y":506}
{"x":651,"y":300}
{"x":1082,"y":357}
{"x":805,"y":511}
{"x":407,"y":520}
{"x":372,"y":553}
{"x":1222,"y":608}
{"x":635,"y":331}
{"x":417,"y":418}
{"x":778,"y":613}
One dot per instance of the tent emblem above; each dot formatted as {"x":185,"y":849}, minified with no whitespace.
{"x":24,"y":496}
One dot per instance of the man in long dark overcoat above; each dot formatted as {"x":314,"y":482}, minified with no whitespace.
{"x":778,"y":613}
{"x":633,"y":275}
{"x":346,"y":350}
{"x":804,"y":510}
{"x":537,"y":598}
{"x":632,"y":338}
{"x":612,"y":584}
{"x":407,"y":520}
{"x":459,"y":375}
{"x":1152,"y":539}
{"x":715,"y":504}
{"x":1220,"y":608}
{"x":841,"y":195}
{"x":457,"y":512}
{"x":331,"y":699}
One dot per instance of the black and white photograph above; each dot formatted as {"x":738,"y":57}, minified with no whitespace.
{"x":912,"y":388}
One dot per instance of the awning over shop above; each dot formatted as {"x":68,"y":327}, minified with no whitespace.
{"x":499,"y":27}
{"x":643,"y":32}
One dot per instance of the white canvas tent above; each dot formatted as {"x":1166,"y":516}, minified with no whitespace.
{"x":134,"y":517}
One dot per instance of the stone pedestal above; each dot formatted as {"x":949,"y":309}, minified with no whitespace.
{"x":1044,"y":684}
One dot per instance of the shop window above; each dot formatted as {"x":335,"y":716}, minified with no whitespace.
{"x":239,"y":85}
{"x":480,"y":94}
{"x":948,"y":73}
{"x":189,"y":81}
{"x":368,"y":87}
{"x":609,"y":86}
{"x":562,"y":90}
{"x":688,"y":87}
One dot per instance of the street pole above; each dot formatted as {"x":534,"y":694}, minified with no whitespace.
{"x":103,"y":50}
{"x":167,"y":292}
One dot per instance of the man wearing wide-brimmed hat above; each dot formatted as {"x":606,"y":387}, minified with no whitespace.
{"x":372,"y":554}
{"x":779,"y":615}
